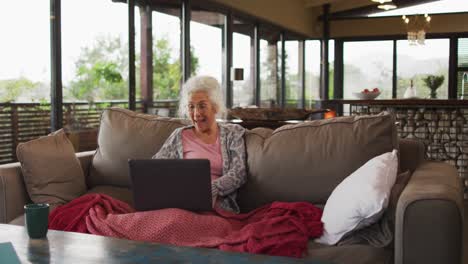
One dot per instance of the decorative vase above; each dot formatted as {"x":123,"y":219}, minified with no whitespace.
{"x":433,"y":82}
{"x":410,"y":92}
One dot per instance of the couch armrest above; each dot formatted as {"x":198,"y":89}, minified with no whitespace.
{"x":13,"y":194}
{"x":429,"y":216}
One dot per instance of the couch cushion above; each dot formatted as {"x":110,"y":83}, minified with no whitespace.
{"x":121,"y":193}
{"x":52,"y":172}
{"x":305,"y":162}
{"x":400,"y":184}
{"x":124,"y":134}
{"x":350,"y":254}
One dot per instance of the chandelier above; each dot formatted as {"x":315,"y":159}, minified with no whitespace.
{"x":416,"y":26}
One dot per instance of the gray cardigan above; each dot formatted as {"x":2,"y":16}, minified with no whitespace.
{"x":233,"y":155}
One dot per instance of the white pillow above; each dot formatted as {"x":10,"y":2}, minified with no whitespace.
{"x":360,"y":199}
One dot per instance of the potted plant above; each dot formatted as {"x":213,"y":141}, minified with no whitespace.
{"x":434,"y":82}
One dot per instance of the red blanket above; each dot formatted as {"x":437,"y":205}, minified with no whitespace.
{"x":276,"y":229}
{"x":72,"y":216}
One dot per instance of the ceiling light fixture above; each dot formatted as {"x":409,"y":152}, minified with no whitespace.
{"x":381,"y":1}
{"x":387,"y":7}
{"x":385,"y":4}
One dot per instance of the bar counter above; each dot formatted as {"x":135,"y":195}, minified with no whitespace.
{"x":403,"y":102}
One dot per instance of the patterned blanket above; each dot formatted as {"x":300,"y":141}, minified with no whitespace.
{"x":279,"y":228}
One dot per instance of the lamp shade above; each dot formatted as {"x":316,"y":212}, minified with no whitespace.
{"x":237,"y":74}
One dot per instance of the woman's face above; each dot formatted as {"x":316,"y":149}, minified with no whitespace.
{"x":201,"y":111}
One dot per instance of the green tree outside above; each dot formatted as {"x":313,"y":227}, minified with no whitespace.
{"x":11,"y":89}
{"x":99,"y":72}
{"x":167,"y":72}
{"x":102,"y":69}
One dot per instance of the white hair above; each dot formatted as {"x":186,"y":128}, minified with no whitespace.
{"x":206,"y":84}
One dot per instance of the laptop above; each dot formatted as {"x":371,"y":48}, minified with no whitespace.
{"x":171,"y":183}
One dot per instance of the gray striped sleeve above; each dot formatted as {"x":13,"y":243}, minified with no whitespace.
{"x":236,"y":174}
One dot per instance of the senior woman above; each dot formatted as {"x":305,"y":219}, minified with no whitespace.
{"x":222,"y":144}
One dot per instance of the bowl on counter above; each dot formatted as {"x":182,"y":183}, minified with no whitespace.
{"x":366,"y":96}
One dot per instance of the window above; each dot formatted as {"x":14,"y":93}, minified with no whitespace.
{"x":414,"y":63}
{"x":293,"y":85}
{"x":95,"y":62}
{"x":312,"y":72}
{"x":242,"y":57}
{"x":25,"y":71}
{"x":331,"y":68}
{"x":367,"y":65}
{"x":462,"y":69}
{"x":167,"y":71}
{"x":269,"y":67}
{"x":279,"y":64}
{"x":95,"y":50}
{"x":206,"y":37}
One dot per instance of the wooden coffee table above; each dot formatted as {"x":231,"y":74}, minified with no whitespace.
{"x":69,"y":247}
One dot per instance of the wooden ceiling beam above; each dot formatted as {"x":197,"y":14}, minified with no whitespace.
{"x":350,"y":4}
{"x":316,"y":3}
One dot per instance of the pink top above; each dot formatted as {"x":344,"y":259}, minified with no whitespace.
{"x":195,"y":148}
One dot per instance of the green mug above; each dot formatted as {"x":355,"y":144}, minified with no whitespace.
{"x":37,"y":219}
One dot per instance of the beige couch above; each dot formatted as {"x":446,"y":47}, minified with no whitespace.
{"x":302,"y":162}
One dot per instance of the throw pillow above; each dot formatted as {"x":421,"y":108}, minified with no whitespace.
{"x":360,"y":199}
{"x":52,"y":172}
{"x":123,"y":135}
{"x":380,"y":234}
